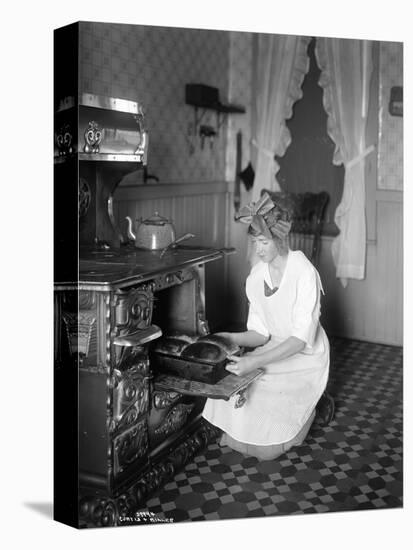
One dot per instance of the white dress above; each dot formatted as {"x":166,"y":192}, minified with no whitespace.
{"x":282,"y":400}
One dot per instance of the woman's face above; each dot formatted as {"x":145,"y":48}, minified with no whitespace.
{"x":265,"y":248}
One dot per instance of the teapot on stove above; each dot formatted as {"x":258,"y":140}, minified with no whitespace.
{"x":154,"y":233}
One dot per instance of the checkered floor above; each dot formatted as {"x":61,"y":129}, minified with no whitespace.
{"x":353,"y":464}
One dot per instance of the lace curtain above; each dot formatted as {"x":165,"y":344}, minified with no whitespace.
{"x":346,"y":67}
{"x":282,"y":63}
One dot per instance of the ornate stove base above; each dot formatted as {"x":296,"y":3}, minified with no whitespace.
{"x":101,"y":511}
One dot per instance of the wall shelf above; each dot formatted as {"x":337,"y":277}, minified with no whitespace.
{"x":206,"y":98}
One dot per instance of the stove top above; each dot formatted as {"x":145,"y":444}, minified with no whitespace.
{"x":116,"y":268}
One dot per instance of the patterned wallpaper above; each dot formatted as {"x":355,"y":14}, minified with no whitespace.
{"x":151,"y":65}
{"x":240,"y":92}
{"x":390,"y":154}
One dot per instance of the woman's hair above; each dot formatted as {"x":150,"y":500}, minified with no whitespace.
{"x":271,"y":218}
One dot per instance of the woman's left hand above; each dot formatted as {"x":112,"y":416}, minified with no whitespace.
{"x":241,"y":365}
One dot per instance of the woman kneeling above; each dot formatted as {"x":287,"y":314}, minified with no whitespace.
{"x":288,"y":341}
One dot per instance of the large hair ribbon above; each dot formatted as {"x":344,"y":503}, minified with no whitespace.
{"x":260,"y":217}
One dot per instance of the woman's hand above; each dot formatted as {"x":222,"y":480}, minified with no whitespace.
{"x":241,"y":365}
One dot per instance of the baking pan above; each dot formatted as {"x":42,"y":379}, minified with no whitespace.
{"x":200,"y":371}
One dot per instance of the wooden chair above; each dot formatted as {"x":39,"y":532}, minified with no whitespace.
{"x":307,"y":211}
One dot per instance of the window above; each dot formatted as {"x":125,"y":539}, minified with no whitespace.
{"x":307,"y":164}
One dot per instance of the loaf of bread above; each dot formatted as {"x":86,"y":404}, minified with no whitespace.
{"x":225,"y":344}
{"x":171,"y":345}
{"x":212,"y":348}
{"x":204,"y":351}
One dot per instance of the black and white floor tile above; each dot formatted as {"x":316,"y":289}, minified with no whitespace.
{"x":355,"y":463}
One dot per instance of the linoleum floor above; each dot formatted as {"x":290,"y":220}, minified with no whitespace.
{"x":355,"y":463}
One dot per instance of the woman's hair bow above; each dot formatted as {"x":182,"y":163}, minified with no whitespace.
{"x":264,"y":217}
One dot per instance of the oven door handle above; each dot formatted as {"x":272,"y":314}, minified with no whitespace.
{"x":139,"y":337}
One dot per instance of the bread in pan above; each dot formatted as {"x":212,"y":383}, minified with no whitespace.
{"x":204,"y":351}
{"x":223,"y":343}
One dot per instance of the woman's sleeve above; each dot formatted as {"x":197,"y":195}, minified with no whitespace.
{"x":306,"y":310}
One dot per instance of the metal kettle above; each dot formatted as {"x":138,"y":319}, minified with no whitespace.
{"x":154,"y":233}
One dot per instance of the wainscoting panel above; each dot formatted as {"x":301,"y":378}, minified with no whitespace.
{"x":371,"y":309}
{"x":193,"y":208}
{"x":200,"y":209}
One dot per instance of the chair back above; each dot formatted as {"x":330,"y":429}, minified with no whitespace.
{"x":307,"y":210}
